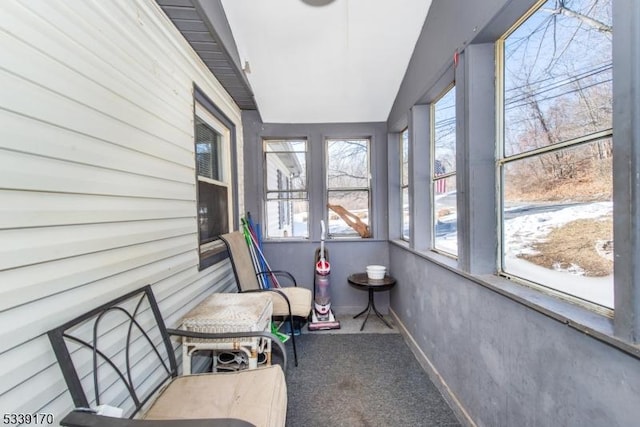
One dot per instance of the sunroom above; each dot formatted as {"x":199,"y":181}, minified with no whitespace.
{"x":486,"y":151}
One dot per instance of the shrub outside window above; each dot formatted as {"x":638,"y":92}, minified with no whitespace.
{"x":556,"y":153}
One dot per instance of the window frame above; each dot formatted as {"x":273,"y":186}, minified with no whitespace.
{"x":503,"y":160}
{"x":285,"y":209}
{"x":434,"y":177}
{"x":404,"y":186}
{"x":367,"y":189}
{"x":210,"y":250}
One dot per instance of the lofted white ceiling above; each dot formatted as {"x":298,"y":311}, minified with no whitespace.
{"x":342,"y":62}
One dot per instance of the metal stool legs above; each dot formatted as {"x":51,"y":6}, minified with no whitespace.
{"x":371,"y":305}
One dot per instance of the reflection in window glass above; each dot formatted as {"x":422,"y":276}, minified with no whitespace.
{"x":556,"y":165}
{"x":287,"y":205}
{"x":404,"y":184}
{"x":215,"y":207}
{"x":348,"y":193}
{"x":208,"y":149}
{"x":444,"y":196}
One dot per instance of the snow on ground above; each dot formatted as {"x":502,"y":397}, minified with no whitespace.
{"x":522,"y":231}
{"x":527,"y":224}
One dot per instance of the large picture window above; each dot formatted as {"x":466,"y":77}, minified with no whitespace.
{"x":286,"y":193}
{"x":443,"y":173}
{"x":348,"y":187}
{"x":212,"y":154}
{"x":556,"y":151}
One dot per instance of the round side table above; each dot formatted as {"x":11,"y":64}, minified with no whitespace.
{"x":362,"y":281}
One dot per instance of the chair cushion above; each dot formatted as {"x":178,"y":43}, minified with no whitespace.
{"x":258,"y":396}
{"x":299,"y":298}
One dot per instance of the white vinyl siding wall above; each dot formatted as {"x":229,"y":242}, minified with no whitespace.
{"x":97,"y":179}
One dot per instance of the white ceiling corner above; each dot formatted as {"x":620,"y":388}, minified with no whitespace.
{"x":343,"y":62}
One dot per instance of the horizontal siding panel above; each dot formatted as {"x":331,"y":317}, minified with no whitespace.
{"x":97,"y":183}
{"x":23,"y":247}
{"x":178,"y":302}
{"x":34,"y":65}
{"x":22,"y":285}
{"x":176,"y":45}
{"x":24,"y":362}
{"x":192,"y":288}
{"x":19,"y":324}
{"x":26,"y":172}
{"x":20,"y":363}
{"x":112,"y":343}
{"x":21,"y":209}
{"x":26,"y":396}
{"x":131,"y":30}
{"x":32,"y":101}
{"x":13,"y":379}
{"x":64,"y":144}
{"x":95,"y":49}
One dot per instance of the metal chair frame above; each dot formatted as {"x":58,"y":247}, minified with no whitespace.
{"x":255,"y":286}
{"x":84,"y":415}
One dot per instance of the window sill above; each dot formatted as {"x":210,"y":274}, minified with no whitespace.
{"x":326,"y":241}
{"x":572,"y":315}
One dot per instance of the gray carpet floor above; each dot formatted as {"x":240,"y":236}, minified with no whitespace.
{"x":361,"y":380}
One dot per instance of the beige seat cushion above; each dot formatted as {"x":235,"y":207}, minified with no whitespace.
{"x":299,"y":298}
{"x":258,"y":396}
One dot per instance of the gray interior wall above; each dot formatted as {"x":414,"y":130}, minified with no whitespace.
{"x":504,"y":360}
{"x":345,"y":255}
{"x":506,"y":364}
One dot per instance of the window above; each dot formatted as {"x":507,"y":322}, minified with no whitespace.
{"x":443,"y":173}
{"x":404,"y":184}
{"x":213,"y":164}
{"x":348,"y":192}
{"x":556,"y":149}
{"x":286,"y":193}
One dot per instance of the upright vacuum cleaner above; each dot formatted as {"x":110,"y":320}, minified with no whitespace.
{"x":322,"y":316}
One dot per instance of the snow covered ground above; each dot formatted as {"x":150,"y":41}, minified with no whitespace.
{"x":525,"y":225}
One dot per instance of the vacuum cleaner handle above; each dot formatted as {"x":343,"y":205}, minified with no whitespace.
{"x":322,"y":235}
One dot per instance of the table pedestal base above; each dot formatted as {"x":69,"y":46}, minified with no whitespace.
{"x":371,"y":305}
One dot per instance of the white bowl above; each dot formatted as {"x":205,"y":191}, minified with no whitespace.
{"x":376,"y":272}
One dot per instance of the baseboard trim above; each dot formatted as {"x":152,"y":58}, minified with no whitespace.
{"x":461,"y":414}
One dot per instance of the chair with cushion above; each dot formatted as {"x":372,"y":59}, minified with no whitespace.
{"x":288,"y":302}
